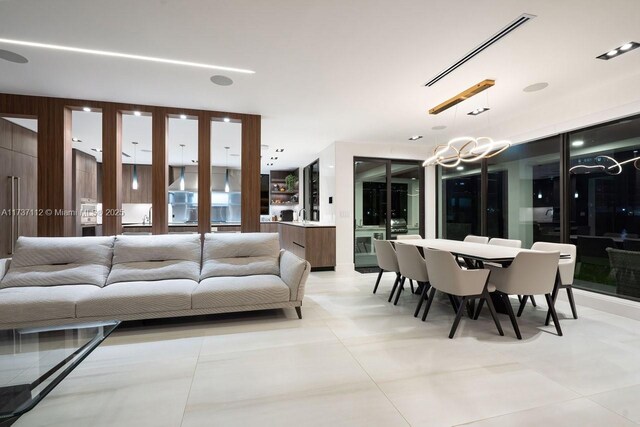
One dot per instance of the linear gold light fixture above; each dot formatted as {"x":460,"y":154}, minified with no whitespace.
{"x":466,"y":94}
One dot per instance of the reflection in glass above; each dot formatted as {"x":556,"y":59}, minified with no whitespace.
{"x":226,"y":180}
{"x":605,"y":207}
{"x":182,"y":147}
{"x":459,"y":201}
{"x":370,"y":197}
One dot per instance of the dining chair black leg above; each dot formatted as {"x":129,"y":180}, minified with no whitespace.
{"x":523,"y":303}
{"x":520,"y":299}
{"x":533,"y":301}
{"x":492,"y":310}
{"x":514,"y":322}
{"x":572,"y":302}
{"x":461,"y":309}
{"x":400,"y":288}
{"x":554,"y":296}
{"x":432,"y":295}
{"x":423,"y":296}
{"x":554,"y":315}
{"x":479,"y":309}
{"x":375,"y":288}
{"x":454,"y":303}
{"x":395,"y":285}
{"x":413,"y":291}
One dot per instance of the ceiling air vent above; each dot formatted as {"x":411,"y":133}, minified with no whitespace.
{"x":520,"y":20}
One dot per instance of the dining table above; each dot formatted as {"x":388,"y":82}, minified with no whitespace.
{"x":476,"y":254}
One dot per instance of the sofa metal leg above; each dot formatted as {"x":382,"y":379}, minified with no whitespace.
{"x":299,"y":312}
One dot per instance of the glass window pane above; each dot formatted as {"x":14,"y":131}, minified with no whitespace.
{"x":459,"y":204}
{"x":405,"y":198}
{"x":524,"y":193}
{"x":226,"y":162}
{"x":136,"y":173}
{"x":605,"y":207}
{"x":370,"y":196}
{"x":182,"y":151}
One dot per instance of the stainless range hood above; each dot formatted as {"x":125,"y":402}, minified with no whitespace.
{"x":190,"y":179}
{"x":218,"y":177}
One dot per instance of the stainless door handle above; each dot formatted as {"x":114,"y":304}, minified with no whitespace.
{"x":19,"y":208}
{"x":12,"y":214}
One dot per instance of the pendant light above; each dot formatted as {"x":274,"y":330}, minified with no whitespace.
{"x":226,"y":175}
{"x":134,"y":181}
{"x":182,"y":168}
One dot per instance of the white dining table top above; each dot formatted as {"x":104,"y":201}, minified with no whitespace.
{"x":477,"y":251}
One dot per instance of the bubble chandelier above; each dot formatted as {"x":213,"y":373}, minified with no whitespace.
{"x":465,"y":149}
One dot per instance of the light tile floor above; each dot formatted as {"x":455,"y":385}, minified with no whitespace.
{"x":355,"y":360}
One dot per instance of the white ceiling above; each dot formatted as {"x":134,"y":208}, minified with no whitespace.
{"x":331,"y":70}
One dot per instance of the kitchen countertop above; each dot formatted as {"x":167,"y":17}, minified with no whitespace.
{"x":213,"y":224}
{"x":310,"y":224}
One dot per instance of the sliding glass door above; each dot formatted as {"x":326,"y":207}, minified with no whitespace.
{"x":388,"y":201}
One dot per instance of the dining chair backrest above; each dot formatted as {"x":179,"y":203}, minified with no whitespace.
{"x":408,"y":236}
{"x":530,"y":273}
{"x":566,"y":266}
{"x":411,"y":263}
{"x":476,"y":239}
{"x":386,"y":255}
{"x":446,"y":275}
{"x":511,"y":243}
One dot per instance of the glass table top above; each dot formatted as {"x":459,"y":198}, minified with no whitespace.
{"x":34,"y":360}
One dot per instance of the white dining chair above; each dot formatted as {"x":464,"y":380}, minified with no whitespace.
{"x":510,"y":243}
{"x":412,"y":267}
{"x":446,"y":276}
{"x":530,"y":273}
{"x":387,"y":261}
{"x":476,"y":239}
{"x":408,"y":236}
{"x":566,"y":268}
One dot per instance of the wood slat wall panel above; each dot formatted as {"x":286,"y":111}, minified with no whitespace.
{"x":160,"y":181}
{"x":250,"y":216}
{"x":112,"y":170}
{"x":204,"y":173}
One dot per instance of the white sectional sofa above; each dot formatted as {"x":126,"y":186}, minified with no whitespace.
{"x":58,"y":280}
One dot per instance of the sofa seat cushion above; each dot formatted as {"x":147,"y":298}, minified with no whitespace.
{"x":162,"y":257}
{"x":137,"y":297}
{"x":37,"y":303}
{"x":53,"y":261}
{"x":240,"y":254}
{"x":239,"y":291}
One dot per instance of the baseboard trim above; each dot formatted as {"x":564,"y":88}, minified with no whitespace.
{"x":607,"y":303}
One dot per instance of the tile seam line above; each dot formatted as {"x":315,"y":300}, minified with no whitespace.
{"x":193,"y":377}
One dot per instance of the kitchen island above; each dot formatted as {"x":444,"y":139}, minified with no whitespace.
{"x":312,"y":241}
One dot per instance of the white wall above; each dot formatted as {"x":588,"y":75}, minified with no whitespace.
{"x":344,"y":153}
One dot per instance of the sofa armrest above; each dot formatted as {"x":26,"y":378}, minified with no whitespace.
{"x":4,"y":266}
{"x":294,"y":272}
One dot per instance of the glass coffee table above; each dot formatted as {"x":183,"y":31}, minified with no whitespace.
{"x":33,"y":361}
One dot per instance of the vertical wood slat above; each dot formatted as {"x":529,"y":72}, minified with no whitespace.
{"x":112,"y":170}
{"x":250,"y":216}
{"x":55,"y":174}
{"x":204,"y":173}
{"x":160,"y":173}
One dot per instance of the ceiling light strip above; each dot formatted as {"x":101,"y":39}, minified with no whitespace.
{"x":522,"y":19}
{"x":123,"y":55}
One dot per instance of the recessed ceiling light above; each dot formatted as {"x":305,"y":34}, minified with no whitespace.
{"x":439,"y":127}
{"x":460,"y":168}
{"x":145,"y":150}
{"x":614,"y":53}
{"x":194,"y":161}
{"x":274,"y":158}
{"x":137,"y":113}
{"x":269,"y":164}
{"x":97,"y":150}
{"x":415,"y":137}
{"x":183,"y":116}
{"x":221,"y":80}
{"x":123,"y":55}
{"x":7,"y":55}
{"x":535,"y":87}
{"x":279,"y":150}
{"x":577,"y":143}
{"x":478,"y":111}
{"x":76,"y":140}
{"x":330,"y":166}
{"x":86,"y":109}
{"x":226,"y":120}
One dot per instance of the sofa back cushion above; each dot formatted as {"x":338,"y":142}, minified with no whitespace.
{"x":51,"y":261}
{"x":240,"y":254}
{"x":159,"y":257}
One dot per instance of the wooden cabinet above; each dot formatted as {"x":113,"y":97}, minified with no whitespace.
{"x":314,"y":243}
{"x":266,"y":227}
{"x":143,"y":193}
{"x":18,"y":184}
